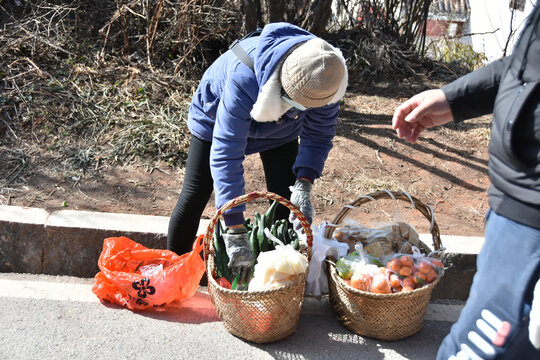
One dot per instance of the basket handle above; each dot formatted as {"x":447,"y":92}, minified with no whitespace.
{"x":425,"y":209}
{"x":242,"y":199}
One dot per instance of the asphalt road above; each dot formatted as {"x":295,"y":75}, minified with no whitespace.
{"x":46,"y":317}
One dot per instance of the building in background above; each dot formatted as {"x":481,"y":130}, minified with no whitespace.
{"x":447,"y":18}
{"x":490,"y":27}
{"x":495,"y":25}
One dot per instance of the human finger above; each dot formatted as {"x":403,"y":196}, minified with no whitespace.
{"x":402,"y":111}
{"x":432,"y":109}
{"x":415,"y":132}
{"x":403,"y":130}
{"x":422,"y":110}
{"x":243,"y":275}
{"x":235,"y":271}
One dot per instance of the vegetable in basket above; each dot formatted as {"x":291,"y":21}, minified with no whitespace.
{"x":414,"y":271}
{"x":346,"y":265}
{"x":235,"y":258}
{"x":365,"y":275}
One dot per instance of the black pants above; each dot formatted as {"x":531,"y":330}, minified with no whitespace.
{"x":198,"y":186}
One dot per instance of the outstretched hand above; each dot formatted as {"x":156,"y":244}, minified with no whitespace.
{"x":423,"y":111}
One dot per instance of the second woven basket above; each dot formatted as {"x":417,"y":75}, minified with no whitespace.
{"x":387,"y":317}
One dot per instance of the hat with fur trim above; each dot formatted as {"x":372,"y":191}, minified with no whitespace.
{"x":313,"y":73}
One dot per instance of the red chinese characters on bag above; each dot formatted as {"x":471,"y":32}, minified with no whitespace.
{"x":137,"y":277}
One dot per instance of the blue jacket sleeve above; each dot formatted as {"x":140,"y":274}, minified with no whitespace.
{"x":318,"y":130}
{"x":474,"y":94}
{"x":228,"y":146}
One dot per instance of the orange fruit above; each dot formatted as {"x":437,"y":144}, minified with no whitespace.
{"x":405,"y":271}
{"x":361,"y":281}
{"x":419,"y":278}
{"x":380,"y":285}
{"x":408,"y":282}
{"x":406,"y":261}
{"x":431,"y":276}
{"x":425,"y":267}
{"x":437,"y":263}
{"x":395,"y":282}
{"x":407,"y":288}
{"x":347,"y":281}
{"x":394,"y":265}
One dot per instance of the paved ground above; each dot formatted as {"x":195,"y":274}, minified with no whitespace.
{"x":58,"y":317}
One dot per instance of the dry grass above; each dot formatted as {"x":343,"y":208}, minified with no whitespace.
{"x":87,"y":83}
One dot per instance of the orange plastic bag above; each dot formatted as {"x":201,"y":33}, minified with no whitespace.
{"x":137,"y":277}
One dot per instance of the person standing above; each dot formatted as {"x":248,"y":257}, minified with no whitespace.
{"x":495,"y":322}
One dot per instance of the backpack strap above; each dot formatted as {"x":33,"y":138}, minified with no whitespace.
{"x":239,"y":51}
{"x":242,"y":55}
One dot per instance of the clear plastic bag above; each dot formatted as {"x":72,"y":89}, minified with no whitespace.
{"x":364,"y":275}
{"x":411,"y":271}
{"x":280,"y":267}
{"x":382,"y":239}
{"x":317,"y":280}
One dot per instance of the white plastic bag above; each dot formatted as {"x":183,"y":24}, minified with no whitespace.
{"x":317,"y":280}
{"x":280,"y":267}
{"x":534,"y":316}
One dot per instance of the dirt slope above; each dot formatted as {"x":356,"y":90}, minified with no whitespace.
{"x":446,"y":169}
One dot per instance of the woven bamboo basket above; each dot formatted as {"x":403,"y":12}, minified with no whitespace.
{"x":257,"y":316}
{"x":387,"y":317}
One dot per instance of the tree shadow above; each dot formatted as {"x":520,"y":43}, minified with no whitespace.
{"x":358,"y":126}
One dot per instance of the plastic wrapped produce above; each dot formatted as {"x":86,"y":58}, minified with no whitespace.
{"x":381,"y":240}
{"x":280,"y":267}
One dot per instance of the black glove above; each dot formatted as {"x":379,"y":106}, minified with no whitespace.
{"x":301,"y":198}
{"x":239,"y":252}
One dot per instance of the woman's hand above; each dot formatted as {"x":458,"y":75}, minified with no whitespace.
{"x":301,"y":198}
{"x":239,"y":252}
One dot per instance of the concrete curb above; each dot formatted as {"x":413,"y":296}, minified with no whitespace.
{"x":69,"y":242}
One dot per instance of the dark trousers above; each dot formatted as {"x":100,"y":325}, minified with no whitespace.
{"x":198,"y":186}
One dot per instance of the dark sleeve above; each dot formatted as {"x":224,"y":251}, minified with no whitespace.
{"x":473,"y":95}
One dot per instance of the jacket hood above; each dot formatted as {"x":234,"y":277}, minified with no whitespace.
{"x":276,"y":41}
{"x":527,"y":51}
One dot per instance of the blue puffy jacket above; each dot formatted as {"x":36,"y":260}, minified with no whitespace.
{"x":240,"y":112}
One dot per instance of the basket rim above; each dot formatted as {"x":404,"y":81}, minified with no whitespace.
{"x":416,"y":203}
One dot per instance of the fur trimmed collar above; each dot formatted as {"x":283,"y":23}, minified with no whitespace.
{"x":270,"y":106}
